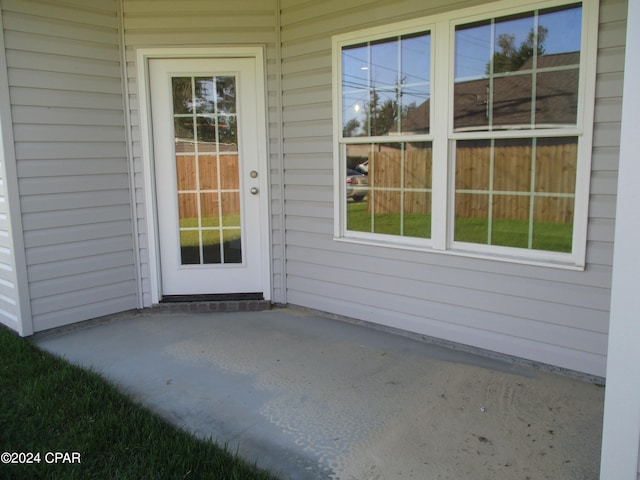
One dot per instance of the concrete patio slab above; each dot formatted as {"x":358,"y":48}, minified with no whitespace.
{"x":311,"y":397}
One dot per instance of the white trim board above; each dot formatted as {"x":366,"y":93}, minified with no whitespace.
{"x":142,"y":57}
{"x":24,"y":318}
{"x":621,"y":430}
{"x":442,"y":134}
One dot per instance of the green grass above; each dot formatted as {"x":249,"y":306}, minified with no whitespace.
{"x":227,"y":221}
{"x":555,"y":237}
{"x":552,"y":237}
{"x":211,"y":233}
{"x":415,"y":225}
{"x":48,"y":405}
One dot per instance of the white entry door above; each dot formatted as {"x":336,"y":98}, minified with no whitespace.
{"x":204,"y":124}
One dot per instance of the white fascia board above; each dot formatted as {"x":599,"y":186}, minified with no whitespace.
{"x":621,"y":432}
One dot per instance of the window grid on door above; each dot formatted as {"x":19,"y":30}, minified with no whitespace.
{"x":207,"y":169}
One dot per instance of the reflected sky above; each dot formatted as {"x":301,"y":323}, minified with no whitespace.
{"x":474,"y":43}
{"x":397,"y":69}
{"x":386,"y":83}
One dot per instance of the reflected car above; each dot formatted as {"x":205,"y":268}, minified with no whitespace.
{"x":363,"y":168}
{"x":357,"y":185}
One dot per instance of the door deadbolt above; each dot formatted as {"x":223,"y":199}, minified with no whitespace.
{"x":253,"y":174}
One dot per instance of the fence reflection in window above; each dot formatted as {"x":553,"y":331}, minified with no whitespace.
{"x":395,"y":198}
{"x":516,"y":192}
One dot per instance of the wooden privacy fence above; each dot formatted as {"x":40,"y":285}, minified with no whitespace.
{"x":402,"y":181}
{"x":409,"y":177}
{"x":208,"y":185}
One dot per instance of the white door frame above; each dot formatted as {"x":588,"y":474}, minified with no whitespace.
{"x":146,"y":140}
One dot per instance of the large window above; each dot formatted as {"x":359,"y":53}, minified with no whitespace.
{"x":485,"y":151}
{"x":385,"y":96}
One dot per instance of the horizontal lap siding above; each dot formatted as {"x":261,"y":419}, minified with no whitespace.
{"x":11,"y":306}
{"x":67,"y":106}
{"x":153,"y":23}
{"x":8,"y":292}
{"x":549,"y":315}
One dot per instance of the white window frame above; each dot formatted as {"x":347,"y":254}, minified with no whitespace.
{"x":443,"y":137}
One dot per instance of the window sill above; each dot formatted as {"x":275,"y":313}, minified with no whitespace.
{"x":499,"y":254}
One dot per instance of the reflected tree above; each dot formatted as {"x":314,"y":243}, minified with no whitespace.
{"x":183,"y":98}
{"x":380,"y":117}
{"x":511,"y":58}
{"x":350,"y":129}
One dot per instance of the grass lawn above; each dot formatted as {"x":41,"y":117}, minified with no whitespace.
{"x":211,"y":232}
{"x":48,"y":405}
{"x":415,"y":225}
{"x":556,"y":237}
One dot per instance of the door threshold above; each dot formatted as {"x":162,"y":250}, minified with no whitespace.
{"x":212,"y":297}
{"x":244,"y":302}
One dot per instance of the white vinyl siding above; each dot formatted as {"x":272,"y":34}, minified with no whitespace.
{"x":188,"y":23}
{"x":68,"y":126}
{"x":74,"y":178}
{"x":543,"y":314}
{"x":8,"y":291}
{"x":9,"y":309}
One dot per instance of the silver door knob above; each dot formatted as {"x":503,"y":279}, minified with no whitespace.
{"x":254,"y":191}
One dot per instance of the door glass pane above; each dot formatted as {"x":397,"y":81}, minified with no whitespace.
{"x":232,"y":247}
{"x":188,"y":210}
{"x":189,"y":248}
{"x":229,"y":179}
{"x":230,"y":209}
{"x":186,"y":168}
{"x":228,"y":134}
{"x":209,"y":210}
{"x":182,"y":95}
{"x":207,"y":169}
{"x":184,"y":132}
{"x":211,"y":252}
{"x":206,"y":127}
{"x":226,"y":94}
{"x":204,"y":97}
{"x":208,"y":172}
